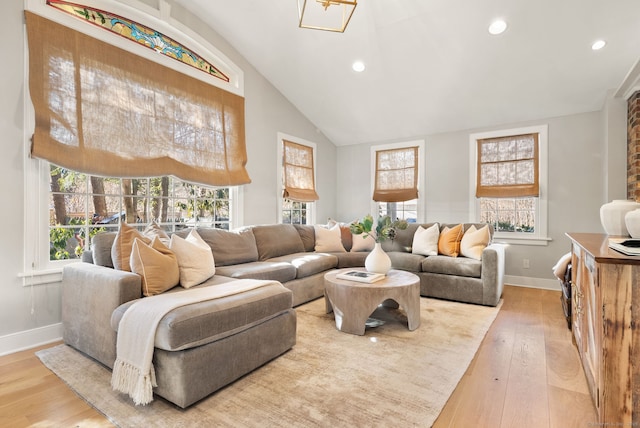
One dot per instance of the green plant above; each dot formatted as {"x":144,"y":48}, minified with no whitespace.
{"x":385,"y":228}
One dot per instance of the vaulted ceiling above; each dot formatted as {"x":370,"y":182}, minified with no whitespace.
{"x":431,"y":65}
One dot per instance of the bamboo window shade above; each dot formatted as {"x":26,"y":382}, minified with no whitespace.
{"x":396,"y":176}
{"x":299,"y":181}
{"x":508,"y":167}
{"x":104,"y":111}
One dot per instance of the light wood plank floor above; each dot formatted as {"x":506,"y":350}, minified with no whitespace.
{"x":525,"y":374}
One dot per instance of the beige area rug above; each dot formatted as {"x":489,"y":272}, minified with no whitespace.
{"x":389,"y":376}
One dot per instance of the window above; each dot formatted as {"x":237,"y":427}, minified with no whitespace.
{"x":294,"y":212}
{"x":407,"y":210}
{"x":103,"y":111}
{"x":398,"y":175}
{"x":205,"y":206}
{"x":297,"y":177}
{"x":81,"y":205}
{"x":509,"y":188}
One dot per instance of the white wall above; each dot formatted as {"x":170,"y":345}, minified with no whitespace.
{"x":576,"y":184}
{"x":267,"y":112}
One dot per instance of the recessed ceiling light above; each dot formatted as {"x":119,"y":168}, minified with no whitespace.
{"x":358,"y":66}
{"x":497,"y":27}
{"x":598,"y":44}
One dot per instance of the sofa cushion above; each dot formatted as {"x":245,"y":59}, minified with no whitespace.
{"x":277,"y":240}
{"x":460,"y":266}
{"x":308,"y":264}
{"x":425,"y":240}
{"x":205,"y":322}
{"x":328,"y":239}
{"x":406,"y":261}
{"x":153,"y":229}
{"x":308,"y":235}
{"x":345,"y":233}
{"x":275,"y":271}
{"x":351,"y":259}
{"x":360,"y":243}
{"x":195,"y":259}
{"x":474,"y":241}
{"x":449,"y":240}
{"x":403,"y":240}
{"x":122,"y":245}
{"x":229,"y":247}
{"x":156,"y":264}
{"x":101,"y":245}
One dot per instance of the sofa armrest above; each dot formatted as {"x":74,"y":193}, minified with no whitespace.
{"x":492,"y":274}
{"x":90,"y":294}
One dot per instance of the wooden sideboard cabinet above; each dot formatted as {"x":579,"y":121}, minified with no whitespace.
{"x":605,"y":305}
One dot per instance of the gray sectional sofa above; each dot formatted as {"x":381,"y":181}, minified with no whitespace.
{"x":204,"y":346}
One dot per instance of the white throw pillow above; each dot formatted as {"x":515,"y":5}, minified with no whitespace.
{"x":474,"y":241}
{"x":328,"y":240}
{"x":362,"y":244}
{"x":195,"y":259}
{"x":425,"y":241}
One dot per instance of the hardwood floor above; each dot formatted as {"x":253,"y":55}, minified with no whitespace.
{"x":525,"y":374}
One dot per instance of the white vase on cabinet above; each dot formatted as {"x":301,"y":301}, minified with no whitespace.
{"x":632,"y":221}
{"x":612,"y":216}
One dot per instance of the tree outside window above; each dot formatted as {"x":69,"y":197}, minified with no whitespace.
{"x":81,"y":206}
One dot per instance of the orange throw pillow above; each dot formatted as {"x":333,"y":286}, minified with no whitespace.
{"x":449,"y":241}
{"x":122,"y":245}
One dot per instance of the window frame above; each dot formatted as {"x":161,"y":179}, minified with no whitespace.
{"x":539,"y":237}
{"x":311,"y":206}
{"x":421,"y":209}
{"x":38,"y":269}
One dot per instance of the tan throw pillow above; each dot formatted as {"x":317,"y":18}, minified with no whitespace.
{"x":328,"y":240}
{"x":474,"y":242}
{"x":122,"y":245}
{"x":195,"y":259}
{"x":360,"y":243}
{"x":425,"y":241}
{"x":449,"y":241}
{"x":156,"y":264}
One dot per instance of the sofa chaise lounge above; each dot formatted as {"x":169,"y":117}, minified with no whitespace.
{"x":204,"y":346}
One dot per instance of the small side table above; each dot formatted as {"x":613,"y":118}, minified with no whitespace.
{"x":352,"y":302}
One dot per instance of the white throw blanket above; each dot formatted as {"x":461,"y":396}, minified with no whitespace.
{"x":133,"y":371}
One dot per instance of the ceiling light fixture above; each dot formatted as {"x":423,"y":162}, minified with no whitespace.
{"x":598,"y":44}
{"x":497,"y":27}
{"x":327,"y":15}
{"x":358,"y":66}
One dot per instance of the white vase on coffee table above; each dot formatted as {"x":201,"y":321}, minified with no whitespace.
{"x":378,"y":261}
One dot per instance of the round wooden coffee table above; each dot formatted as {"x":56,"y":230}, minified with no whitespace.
{"x":353,"y":302}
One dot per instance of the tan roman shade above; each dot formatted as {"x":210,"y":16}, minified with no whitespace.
{"x":299,"y":181}
{"x":396,"y":175}
{"x":104,"y":111}
{"x":508,"y":167}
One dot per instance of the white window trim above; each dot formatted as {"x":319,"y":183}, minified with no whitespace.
{"x":311,"y":206}
{"x":38,"y":269}
{"x":421,"y":173}
{"x":539,"y":237}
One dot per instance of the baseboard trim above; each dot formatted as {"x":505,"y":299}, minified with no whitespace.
{"x":525,"y":281}
{"x":30,"y":339}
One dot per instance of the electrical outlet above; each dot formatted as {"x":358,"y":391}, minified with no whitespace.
{"x":525,"y":263}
